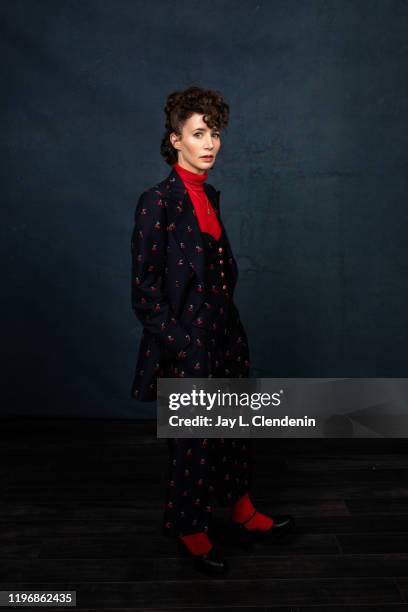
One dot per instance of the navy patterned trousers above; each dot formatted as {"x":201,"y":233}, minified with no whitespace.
{"x":204,"y":470}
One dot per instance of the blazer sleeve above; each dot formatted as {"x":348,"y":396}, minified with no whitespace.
{"x":148,"y":248}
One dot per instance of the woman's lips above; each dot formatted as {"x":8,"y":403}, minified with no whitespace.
{"x":207,"y":157}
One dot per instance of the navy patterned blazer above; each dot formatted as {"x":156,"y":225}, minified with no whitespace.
{"x":168,"y":276}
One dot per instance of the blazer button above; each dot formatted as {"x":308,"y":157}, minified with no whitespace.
{"x":222,"y":274}
{"x":220,"y":250}
{"x":224,"y":287}
{"x":221,"y":261}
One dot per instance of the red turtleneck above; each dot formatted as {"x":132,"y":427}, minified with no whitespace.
{"x":194,"y":184}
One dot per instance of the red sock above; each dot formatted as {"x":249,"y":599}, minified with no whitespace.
{"x":197,"y":543}
{"x":243,"y":509}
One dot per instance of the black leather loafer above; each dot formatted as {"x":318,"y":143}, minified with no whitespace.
{"x":212,"y":563}
{"x":282,"y":525}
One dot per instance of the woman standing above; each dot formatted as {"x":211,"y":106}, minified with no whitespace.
{"x":183,"y":280}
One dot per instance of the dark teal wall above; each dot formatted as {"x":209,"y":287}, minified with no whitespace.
{"x":313,"y":180}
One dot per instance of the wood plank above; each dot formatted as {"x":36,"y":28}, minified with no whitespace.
{"x":397,"y":504}
{"x":110,"y":546}
{"x":328,"y":462}
{"x":285,"y":566}
{"x":267,"y":492}
{"x":185,"y":593}
{"x":374,"y":543}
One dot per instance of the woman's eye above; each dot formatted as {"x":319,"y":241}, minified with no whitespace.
{"x":214,"y":134}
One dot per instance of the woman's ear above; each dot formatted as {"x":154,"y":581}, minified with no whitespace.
{"x":174,"y":139}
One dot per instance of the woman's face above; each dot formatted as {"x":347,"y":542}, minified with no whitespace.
{"x":196,"y":142}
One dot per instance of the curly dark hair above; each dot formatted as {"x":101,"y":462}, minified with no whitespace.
{"x":181,"y":105}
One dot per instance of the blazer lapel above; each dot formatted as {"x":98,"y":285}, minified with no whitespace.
{"x":184,"y":223}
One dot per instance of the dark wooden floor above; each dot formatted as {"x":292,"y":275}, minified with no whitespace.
{"x":81,"y":505}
